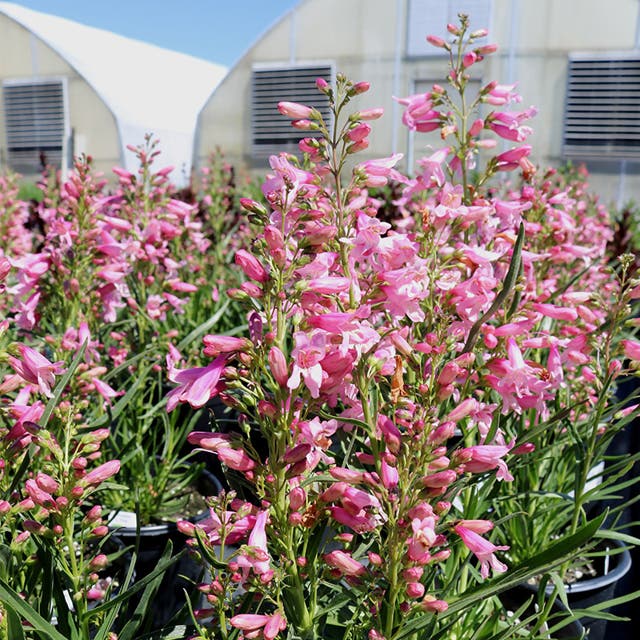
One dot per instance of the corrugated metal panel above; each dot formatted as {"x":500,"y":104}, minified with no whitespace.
{"x":35,"y":124}
{"x":272,"y":132}
{"x":602,"y":108}
{"x":430,"y":17}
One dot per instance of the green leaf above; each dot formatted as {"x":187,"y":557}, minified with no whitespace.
{"x":161,"y":567}
{"x":21,"y":608}
{"x":15,"y":628}
{"x":205,"y":326}
{"x":608,"y":534}
{"x":128,"y":631}
{"x":178,"y":632}
{"x":59,"y":388}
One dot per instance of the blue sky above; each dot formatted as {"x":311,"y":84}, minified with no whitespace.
{"x":216,"y":30}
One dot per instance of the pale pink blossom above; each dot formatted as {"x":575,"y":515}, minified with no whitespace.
{"x":345,"y":563}
{"x":196,"y":385}
{"x":34,"y":368}
{"x":483,"y":550}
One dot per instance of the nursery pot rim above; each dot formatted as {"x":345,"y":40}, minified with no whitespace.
{"x":163,"y":528}
{"x":622,"y":565}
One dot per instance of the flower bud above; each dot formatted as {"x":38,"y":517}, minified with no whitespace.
{"x":436,"y":41}
{"x":369,"y":114}
{"x":415,"y":589}
{"x":360,"y":87}
{"x":252,"y":206}
{"x":251,"y":266}
{"x":294,"y":110}
{"x":99,"y":562}
{"x":278,"y":364}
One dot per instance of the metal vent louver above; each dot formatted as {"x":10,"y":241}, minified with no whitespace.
{"x":35,"y":124}
{"x":271,"y":132}
{"x":602,"y":111}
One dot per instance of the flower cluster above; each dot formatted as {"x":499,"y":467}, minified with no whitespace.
{"x":390,"y":367}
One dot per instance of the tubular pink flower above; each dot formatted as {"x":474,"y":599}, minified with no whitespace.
{"x":328,"y":285}
{"x":554,"y":311}
{"x":432,"y":604}
{"x":249,"y":621}
{"x":477,"y":526}
{"x":469,"y":58}
{"x":439,"y":479}
{"x":465,"y":408}
{"x":197,"y":385}
{"x":46,"y":482}
{"x":388,"y":475}
{"x":215,"y":345}
{"x":482,"y":549}
{"x":485,"y":457}
{"x":295,"y":110}
{"x":209,"y":441}
{"x":436,"y":41}
{"x":631,"y":349}
{"x":39,"y":497}
{"x":101,"y":473}
{"x":105,"y":390}
{"x":345,"y":563}
{"x":370,"y":114}
{"x":237,"y":459}
{"x":359,"y":132}
{"x":278,"y":364}
{"x":34,"y":368}
{"x":5,"y":267}
{"x":307,"y":354}
{"x":501,"y":94}
{"x":271,"y":625}
{"x":251,"y":266}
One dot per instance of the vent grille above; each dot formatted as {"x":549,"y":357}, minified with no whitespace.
{"x":271,"y":132}
{"x":602,"y":111}
{"x":35,"y":125}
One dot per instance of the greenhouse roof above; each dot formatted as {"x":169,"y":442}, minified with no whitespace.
{"x":148,"y":89}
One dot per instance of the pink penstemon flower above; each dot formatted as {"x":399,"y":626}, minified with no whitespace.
{"x":269,"y":625}
{"x":197,"y":385}
{"x":34,"y":368}
{"x":482,"y":549}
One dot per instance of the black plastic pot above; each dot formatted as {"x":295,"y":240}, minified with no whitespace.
{"x":515,"y":598}
{"x":587,"y":593}
{"x":151,"y":543}
{"x":584,"y":593}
